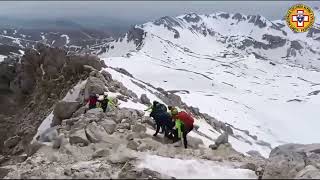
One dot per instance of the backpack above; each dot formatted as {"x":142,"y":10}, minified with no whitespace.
{"x":186,"y":118}
{"x":161,"y":108}
{"x":105,"y":102}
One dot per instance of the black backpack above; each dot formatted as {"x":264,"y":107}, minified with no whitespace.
{"x":161,"y":108}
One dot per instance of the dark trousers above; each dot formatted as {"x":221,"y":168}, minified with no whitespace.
{"x":163,"y":121}
{"x":104,"y":108}
{"x":92,"y":106}
{"x":185,"y":130}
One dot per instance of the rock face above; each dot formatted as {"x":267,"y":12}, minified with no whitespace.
{"x":94,"y":86}
{"x":78,"y":136}
{"x":145,"y":100}
{"x":12,"y":141}
{"x":222,"y":139}
{"x":95,"y":132}
{"x":293,"y":161}
{"x":109,"y":126}
{"x":37,"y":81}
{"x":64,"y":110}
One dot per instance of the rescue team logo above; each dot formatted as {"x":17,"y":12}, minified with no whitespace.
{"x":300,"y":18}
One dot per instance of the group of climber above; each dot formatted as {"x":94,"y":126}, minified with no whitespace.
{"x":100,"y":101}
{"x":174,"y":124}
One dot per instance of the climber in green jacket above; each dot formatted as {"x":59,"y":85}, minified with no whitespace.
{"x":105,"y":101}
{"x":183,"y":124}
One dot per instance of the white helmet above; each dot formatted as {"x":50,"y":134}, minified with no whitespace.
{"x":105,"y":93}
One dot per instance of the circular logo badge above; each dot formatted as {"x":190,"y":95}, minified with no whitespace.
{"x":300,"y":18}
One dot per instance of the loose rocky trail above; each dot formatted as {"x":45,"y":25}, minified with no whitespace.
{"x":116,"y":145}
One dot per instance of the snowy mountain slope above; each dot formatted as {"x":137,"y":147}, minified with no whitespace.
{"x":241,"y":141}
{"x":251,"y":87}
{"x":244,"y":34}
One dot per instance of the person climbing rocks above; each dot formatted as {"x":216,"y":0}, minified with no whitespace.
{"x":105,"y":100}
{"x":93,"y":99}
{"x":183,"y":124}
{"x":171,"y":109}
{"x":162,"y":118}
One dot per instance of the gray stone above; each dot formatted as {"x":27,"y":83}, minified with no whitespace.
{"x":109,"y":126}
{"x":138,"y":128}
{"x":101,"y":153}
{"x":222,"y":139}
{"x":80,"y":111}
{"x":12,"y":141}
{"x":95,"y":132}
{"x":78,"y":136}
{"x":286,"y":161}
{"x":64,"y":110}
{"x":229,"y":130}
{"x":107,"y":76}
{"x":148,"y":120}
{"x":122,"y":98}
{"x":124,"y":126}
{"x":144,"y":99}
{"x":94,"y":86}
{"x":309,"y":172}
{"x":127,"y":113}
{"x":132,"y":145}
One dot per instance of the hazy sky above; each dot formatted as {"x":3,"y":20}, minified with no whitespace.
{"x":141,"y":10}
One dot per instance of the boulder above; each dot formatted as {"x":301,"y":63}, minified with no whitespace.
{"x":12,"y":141}
{"x":107,"y":76}
{"x":101,"y":153}
{"x":229,"y":130}
{"x":109,"y":126}
{"x":94,"y":86}
{"x":222,"y":139}
{"x":287,"y":161}
{"x":124,"y":126}
{"x":309,"y":172}
{"x":64,"y":110}
{"x":145,"y":100}
{"x":95,"y":132}
{"x":127,"y":113}
{"x":78,"y":137}
{"x":148,"y":120}
{"x":194,"y":142}
{"x":122,"y":98}
{"x":139,"y":128}
{"x":132,"y":145}
{"x":80,"y":111}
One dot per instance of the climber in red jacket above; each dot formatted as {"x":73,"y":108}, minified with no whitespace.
{"x":92,"y":101}
{"x":184,"y":124}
